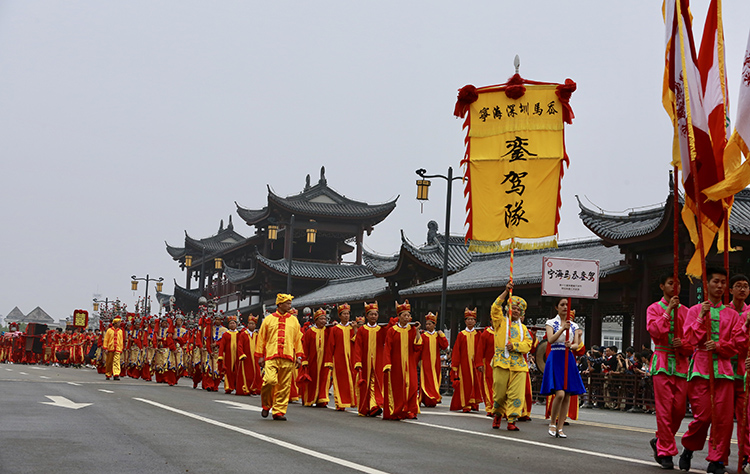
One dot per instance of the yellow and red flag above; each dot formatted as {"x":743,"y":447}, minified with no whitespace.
{"x":737,"y":171}
{"x":682,"y":98}
{"x":514,"y":162}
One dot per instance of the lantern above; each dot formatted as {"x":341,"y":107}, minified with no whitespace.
{"x":311,"y":234}
{"x":423,"y":188}
{"x":96,"y":306}
{"x":188,"y":260}
{"x":134,"y":285}
{"x":218,"y":263}
{"x":273,"y":232}
{"x":159,"y":286}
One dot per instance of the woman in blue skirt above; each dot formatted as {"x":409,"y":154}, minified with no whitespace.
{"x":553,"y":381}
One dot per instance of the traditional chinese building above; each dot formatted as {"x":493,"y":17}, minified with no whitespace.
{"x":301,"y":239}
{"x":245,"y":272}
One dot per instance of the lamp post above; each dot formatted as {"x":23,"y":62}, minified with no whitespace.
{"x":134,"y":286}
{"x":311,"y":233}
{"x":423,"y":186}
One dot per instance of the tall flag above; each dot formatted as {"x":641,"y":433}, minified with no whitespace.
{"x":737,"y":171}
{"x":682,"y":98}
{"x":712,"y":66}
{"x":514,"y":162}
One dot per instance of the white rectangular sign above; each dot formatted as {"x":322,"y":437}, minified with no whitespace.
{"x":570,"y":277}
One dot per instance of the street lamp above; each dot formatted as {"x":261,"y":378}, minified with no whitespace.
{"x":423,"y":186}
{"x":134,"y":286}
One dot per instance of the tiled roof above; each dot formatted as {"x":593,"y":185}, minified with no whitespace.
{"x":634,"y":224}
{"x":380,"y":264}
{"x":192,"y":295}
{"x":739,"y":220}
{"x":315,"y":270}
{"x":493,"y":270}
{"x":225,"y":238}
{"x":433,"y":254}
{"x":175,"y":252}
{"x":320,"y":200}
{"x":351,"y":290}
{"x":38,"y":315}
{"x":430,"y":255}
{"x":252,"y":216}
{"x":14,"y":315}
{"x":238,"y":275}
{"x":641,"y":223}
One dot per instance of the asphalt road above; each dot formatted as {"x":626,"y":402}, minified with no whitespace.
{"x":132,"y":426}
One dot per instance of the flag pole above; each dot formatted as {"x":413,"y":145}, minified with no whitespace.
{"x":676,"y":243}
{"x":510,"y":293}
{"x":697,"y":194}
{"x":567,"y":349}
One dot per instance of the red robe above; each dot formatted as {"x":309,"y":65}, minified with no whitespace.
{"x":484,"y":354}
{"x":368,"y":362}
{"x":432,"y":344}
{"x":467,"y":384}
{"x":340,"y":346}
{"x":400,"y":384}
{"x":315,"y":373}
{"x":251,"y":375}
{"x":248,"y":373}
{"x":229,"y":358}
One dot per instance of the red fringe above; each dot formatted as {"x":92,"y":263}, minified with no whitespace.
{"x":467,"y":95}
{"x":515,"y":89}
{"x":564,"y":91}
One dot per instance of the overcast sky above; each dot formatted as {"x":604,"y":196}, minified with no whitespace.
{"x":124,"y":124}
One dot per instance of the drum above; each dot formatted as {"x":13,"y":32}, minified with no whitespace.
{"x":541,"y":355}
{"x":62,"y":355}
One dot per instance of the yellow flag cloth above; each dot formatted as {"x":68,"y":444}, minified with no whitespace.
{"x":515,"y":154}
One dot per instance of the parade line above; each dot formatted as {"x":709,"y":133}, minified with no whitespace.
{"x":283,"y":444}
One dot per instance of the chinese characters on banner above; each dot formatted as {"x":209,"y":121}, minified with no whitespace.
{"x":515,"y":153}
{"x":569,"y":277}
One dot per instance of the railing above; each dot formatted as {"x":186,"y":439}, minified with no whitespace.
{"x":614,"y":391}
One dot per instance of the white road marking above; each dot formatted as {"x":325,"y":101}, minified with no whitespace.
{"x":268,"y":439}
{"x":240,"y":406}
{"x":73,"y":383}
{"x":23,"y":373}
{"x":34,"y":367}
{"x":106,"y":391}
{"x":43,"y":377}
{"x":64,"y":402}
{"x":535,"y":443}
{"x":9,"y":370}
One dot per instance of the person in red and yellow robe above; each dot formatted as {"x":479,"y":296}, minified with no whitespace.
{"x":279,"y":351}
{"x":403,"y":343}
{"x":211,"y":369}
{"x":368,"y":362}
{"x":432,"y":343}
{"x":315,"y":374}
{"x":163,"y":365}
{"x":229,"y":357}
{"x":251,"y":370}
{"x":341,"y":345}
{"x":484,"y":355}
{"x":180,"y":354}
{"x":467,"y":381}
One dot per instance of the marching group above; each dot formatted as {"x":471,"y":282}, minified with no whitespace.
{"x":700,"y":356}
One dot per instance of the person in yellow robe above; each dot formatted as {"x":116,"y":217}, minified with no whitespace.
{"x":279,"y":351}
{"x":113,"y":344}
{"x":509,"y":367}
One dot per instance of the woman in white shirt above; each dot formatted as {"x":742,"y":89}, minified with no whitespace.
{"x":553,"y":381}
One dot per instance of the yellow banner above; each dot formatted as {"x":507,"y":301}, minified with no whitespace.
{"x":515,"y":160}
